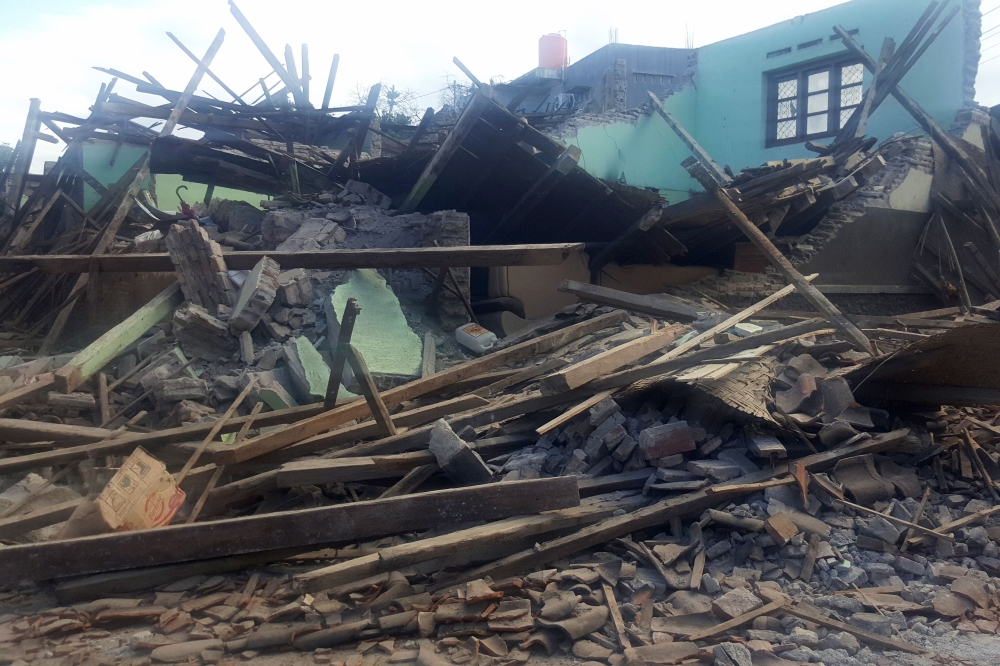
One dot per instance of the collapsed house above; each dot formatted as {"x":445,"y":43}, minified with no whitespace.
{"x":464,"y":397}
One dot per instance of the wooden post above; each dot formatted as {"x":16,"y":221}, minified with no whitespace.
{"x":441,"y":158}
{"x":368,"y":389}
{"x":720,"y":177}
{"x":975,"y":173}
{"x":425,"y":122}
{"x":339,"y":351}
{"x":809,"y":292}
{"x":290,"y":83}
{"x":428,"y":365}
{"x":330,"y":80}
{"x":19,"y":171}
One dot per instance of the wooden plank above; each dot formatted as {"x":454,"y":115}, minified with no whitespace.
{"x":346,"y":435}
{"x":589,"y":369}
{"x":344,"y":523}
{"x":658,"y":514}
{"x":868,"y":637}
{"x":362,"y":468}
{"x":466,"y":121}
{"x":100,"y":352}
{"x":739,"y":620}
{"x":735,"y":319}
{"x":616,"y":615}
{"x":340,"y":350}
{"x":33,"y":520}
{"x":428,"y":364}
{"x":404,"y":555}
{"x":358,"y":409}
{"x":368,"y":389}
{"x":664,"y":306}
{"x":572,"y":412}
{"x":809,"y":292}
{"x":406,"y":257}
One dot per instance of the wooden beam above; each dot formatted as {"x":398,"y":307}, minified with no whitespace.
{"x":809,"y":292}
{"x":862,"y":635}
{"x":100,"y":352}
{"x":340,"y":350}
{"x":428,"y":363}
{"x":344,"y":523}
{"x":421,"y":130}
{"x":272,"y":60}
{"x":324,"y":471}
{"x":404,"y":555}
{"x":17,"y":176}
{"x":192,"y":85}
{"x":716,"y":172}
{"x":601,"y":365}
{"x":466,"y":121}
{"x":328,"y":420}
{"x":33,"y":520}
{"x":410,"y":257}
{"x":744,"y":314}
{"x":330,"y":79}
{"x":950,"y":146}
{"x":659,"y":305}
{"x":739,"y":620}
{"x":552,"y":176}
{"x":409,"y":419}
{"x":368,"y":389}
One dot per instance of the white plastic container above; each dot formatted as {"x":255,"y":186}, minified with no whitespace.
{"x":475,"y":337}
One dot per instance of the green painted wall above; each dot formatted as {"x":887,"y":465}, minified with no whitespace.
{"x":648,"y":153}
{"x":731,"y":76}
{"x":725,"y":109}
{"x":97,"y":156}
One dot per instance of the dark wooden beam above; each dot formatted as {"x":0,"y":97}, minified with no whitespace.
{"x":344,"y":523}
{"x":411,"y":257}
{"x":444,"y":154}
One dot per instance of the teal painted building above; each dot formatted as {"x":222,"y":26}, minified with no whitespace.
{"x":760,"y":96}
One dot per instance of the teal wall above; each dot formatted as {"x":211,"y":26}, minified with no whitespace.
{"x":725,"y":109}
{"x":97,"y":154}
{"x":731,"y":76}
{"x":648,"y":153}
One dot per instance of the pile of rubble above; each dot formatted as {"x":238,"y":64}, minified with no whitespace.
{"x":305,"y":441}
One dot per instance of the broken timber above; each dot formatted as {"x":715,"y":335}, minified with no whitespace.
{"x":406,"y":257}
{"x":99,"y":353}
{"x":344,"y":523}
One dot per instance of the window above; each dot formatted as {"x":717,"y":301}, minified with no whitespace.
{"x":640,"y":77}
{"x":812,"y":102}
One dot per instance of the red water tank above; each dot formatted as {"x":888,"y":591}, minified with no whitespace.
{"x":553,"y":51}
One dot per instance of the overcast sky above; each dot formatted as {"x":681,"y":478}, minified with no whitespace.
{"x":48,"y":47}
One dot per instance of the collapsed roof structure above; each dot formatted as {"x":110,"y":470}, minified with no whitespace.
{"x":316,"y":425}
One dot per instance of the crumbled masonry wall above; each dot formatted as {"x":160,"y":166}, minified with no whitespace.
{"x":909,"y":164}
